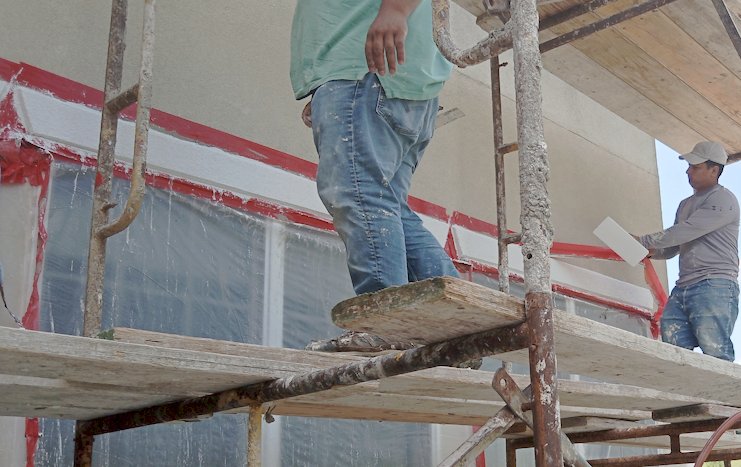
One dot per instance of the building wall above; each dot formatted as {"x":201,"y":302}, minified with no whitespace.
{"x":233,"y":76}
{"x":224,"y":64}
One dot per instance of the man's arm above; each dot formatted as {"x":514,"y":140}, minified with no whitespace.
{"x":710,"y":216}
{"x":385,"y":41}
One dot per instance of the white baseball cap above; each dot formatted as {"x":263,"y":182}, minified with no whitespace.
{"x":706,"y":151}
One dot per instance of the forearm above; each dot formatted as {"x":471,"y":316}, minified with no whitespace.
{"x":405,"y":7}
{"x":664,"y":253}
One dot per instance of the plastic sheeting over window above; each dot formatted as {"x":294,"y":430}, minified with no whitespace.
{"x":194,"y":267}
{"x":316,"y":279}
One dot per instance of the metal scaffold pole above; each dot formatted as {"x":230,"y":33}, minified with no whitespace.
{"x":537,"y":232}
{"x":115,"y":101}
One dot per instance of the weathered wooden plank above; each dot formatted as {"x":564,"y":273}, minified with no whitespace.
{"x":573,"y":425}
{"x":689,"y":441}
{"x":694,"y":412}
{"x":673,"y":73}
{"x":57,"y":356}
{"x":201,"y":344}
{"x":640,"y":70}
{"x":402,"y":408}
{"x":450,"y":382}
{"x":39,"y":397}
{"x":61,"y":388}
{"x":451,"y":308}
{"x":437,"y":382}
{"x":701,"y":22}
{"x":681,"y":54}
{"x":583,"y":346}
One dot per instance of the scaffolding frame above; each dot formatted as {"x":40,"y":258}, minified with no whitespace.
{"x":537,"y":405}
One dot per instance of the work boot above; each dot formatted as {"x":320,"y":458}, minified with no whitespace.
{"x":473,"y":364}
{"x":351,"y":341}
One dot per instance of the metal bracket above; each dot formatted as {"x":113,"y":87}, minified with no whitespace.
{"x":519,"y":402}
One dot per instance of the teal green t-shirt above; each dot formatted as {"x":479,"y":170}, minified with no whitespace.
{"x":328,"y":43}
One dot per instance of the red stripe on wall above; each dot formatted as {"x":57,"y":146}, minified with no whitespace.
{"x":73,"y":91}
{"x":188,"y":188}
{"x":32,"y":440}
{"x":8,"y":69}
{"x":585,"y":251}
{"x":9,"y":120}
{"x":427,"y":208}
{"x":473,"y":224}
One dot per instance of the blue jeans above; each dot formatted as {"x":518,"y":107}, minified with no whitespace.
{"x":369,"y":147}
{"x":702,"y":314}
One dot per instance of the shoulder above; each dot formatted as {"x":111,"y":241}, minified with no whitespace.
{"x":722,"y":199}
{"x":724,"y":194}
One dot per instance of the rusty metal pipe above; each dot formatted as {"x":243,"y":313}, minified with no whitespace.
{"x":499,"y":179}
{"x":83,"y":454}
{"x":485,"y":49}
{"x":123,"y":100}
{"x":571,"y":13}
{"x":665,"y":459}
{"x":104,"y":171}
{"x":616,"y":434}
{"x":139,"y":166}
{"x":705,"y":453}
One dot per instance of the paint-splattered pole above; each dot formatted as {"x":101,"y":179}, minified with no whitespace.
{"x":537,"y":232}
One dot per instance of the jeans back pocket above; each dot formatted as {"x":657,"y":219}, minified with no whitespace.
{"x":407,"y":117}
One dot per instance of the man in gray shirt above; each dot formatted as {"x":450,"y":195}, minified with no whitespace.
{"x":703,"y":307}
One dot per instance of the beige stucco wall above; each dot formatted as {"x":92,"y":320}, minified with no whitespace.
{"x":225,"y":64}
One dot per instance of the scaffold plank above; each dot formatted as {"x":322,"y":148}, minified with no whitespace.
{"x":694,"y":412}
{"x":584,"y":347}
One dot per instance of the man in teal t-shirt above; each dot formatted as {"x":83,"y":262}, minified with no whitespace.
{"x":374,"y":74}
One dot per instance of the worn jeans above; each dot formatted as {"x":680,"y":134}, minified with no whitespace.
{"x":702,"y":314}
{"x":369,"y":146}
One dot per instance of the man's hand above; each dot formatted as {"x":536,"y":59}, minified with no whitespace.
{"x":306,"y":114}
{"x":385,"y":41}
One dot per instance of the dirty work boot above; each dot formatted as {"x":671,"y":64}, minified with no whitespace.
{"x":473,"y":364}
{"x":351,"y":341}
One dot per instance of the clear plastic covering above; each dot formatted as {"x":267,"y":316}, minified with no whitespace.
{"x":194,"y":267}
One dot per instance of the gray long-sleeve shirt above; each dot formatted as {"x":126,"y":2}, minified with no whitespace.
{"x":704,"y":234}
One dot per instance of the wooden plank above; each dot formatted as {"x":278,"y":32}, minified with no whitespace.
{"x":453,"y":307}
{"x":573,"y":425}
{"x":476,"y":385}
{"x":402,"y":408}
{"x":39,"y":397}
{"x":694,"y":412}
{"x":681,"y":54}
{"x":583,"y":346}
{"x":641,"y":71}
{"x":701,"y":22}
{"x":60,"y":384}
{"x":438,"y":382}
{"x":201,"y":344}
{"x":57,"y":356}
{"x":673,"y":72}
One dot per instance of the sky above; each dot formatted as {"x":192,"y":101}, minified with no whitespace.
{"x":674,"y":188}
